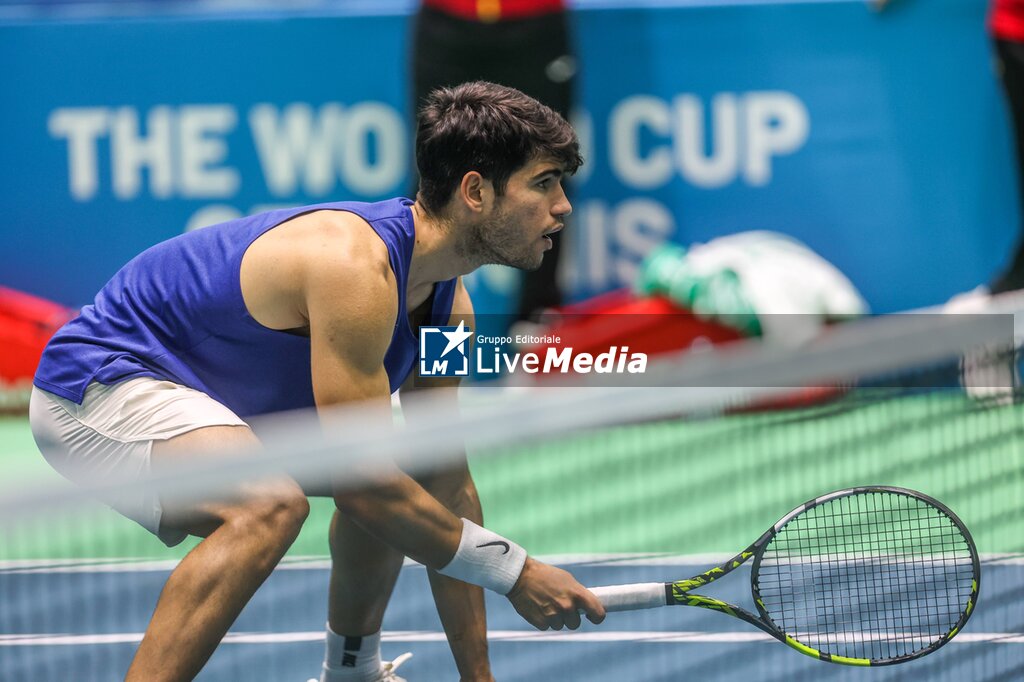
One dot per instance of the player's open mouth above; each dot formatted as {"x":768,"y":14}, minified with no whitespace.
{"x":546,"y":237}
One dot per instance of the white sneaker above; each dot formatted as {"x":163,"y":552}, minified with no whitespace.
{"x":387,"y":670}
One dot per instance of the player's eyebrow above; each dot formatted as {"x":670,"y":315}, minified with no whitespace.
{"x":555,"y":172}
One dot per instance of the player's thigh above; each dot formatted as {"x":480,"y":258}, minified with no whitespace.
{"x":243,"y":497}
{"x":105,"y":441}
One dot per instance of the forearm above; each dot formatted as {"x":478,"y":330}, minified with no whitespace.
{"x":405,"y":516}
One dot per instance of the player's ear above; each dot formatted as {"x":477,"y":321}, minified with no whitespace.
{"x":474,"y":191}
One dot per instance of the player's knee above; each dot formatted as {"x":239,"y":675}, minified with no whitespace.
{"x":278,"y":514}
{"x":289,"y":510}
{"x":354,"y":504}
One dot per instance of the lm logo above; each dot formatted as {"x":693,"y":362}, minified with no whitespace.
{"x":444,"y":351}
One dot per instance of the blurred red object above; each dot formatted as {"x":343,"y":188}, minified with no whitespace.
{"x":26,"y":324}
{"x":653,"y":325}
{"x":657,"y":326}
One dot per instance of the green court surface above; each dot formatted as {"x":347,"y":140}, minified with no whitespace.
{"x":682,"y":487}
{"x":19,"y":458}
{"x":715,"y":485}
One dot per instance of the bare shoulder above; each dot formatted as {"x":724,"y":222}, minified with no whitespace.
{"x":326,"y":263}
{"x":338,"y":247}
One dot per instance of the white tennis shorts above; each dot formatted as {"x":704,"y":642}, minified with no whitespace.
{"x":110,"y":436}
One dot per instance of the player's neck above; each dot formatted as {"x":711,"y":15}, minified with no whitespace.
{"x":435,"y":257}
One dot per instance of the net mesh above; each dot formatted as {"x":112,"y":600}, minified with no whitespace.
{"x":619,"y":485}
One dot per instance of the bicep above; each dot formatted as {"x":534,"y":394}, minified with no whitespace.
{"x":349,"y":334}
{"x":351,"y":318}
{"x":341,"y":371}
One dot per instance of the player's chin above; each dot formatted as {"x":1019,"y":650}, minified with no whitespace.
{"x":528,"y":261}
{"x":528,"y":266}
{"x":534,"y":262}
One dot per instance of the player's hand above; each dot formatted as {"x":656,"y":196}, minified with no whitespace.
{"x":548,"y":597}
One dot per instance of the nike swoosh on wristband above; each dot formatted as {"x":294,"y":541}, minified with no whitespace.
{"x":497,"y":543}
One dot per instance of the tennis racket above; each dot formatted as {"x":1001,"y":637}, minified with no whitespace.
{"x":867,"y":576}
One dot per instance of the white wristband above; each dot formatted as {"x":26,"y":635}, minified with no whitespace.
{"x":486,"y":559}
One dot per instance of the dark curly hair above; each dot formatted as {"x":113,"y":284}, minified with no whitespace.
{"x":492,"y":129}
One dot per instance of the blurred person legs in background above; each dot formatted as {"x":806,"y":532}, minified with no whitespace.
{"x":524,"y":44}
{"x":1006,"y":23}
{"x":1006,"y":26}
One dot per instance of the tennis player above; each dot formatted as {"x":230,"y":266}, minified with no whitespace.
{"x":308,"y":306}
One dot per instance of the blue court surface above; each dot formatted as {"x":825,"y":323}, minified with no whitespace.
{"x":84,"y":620}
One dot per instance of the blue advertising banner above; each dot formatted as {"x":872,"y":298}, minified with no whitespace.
{"x":119,"y":134}
{"x":878,"y":138}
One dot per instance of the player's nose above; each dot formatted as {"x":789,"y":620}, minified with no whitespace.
{"x":562,"y":206}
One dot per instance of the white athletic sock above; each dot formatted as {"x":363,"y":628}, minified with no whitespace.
{"x":351,"y":659}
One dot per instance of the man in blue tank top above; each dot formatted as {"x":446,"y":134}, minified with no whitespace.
{"x":312,"y":307}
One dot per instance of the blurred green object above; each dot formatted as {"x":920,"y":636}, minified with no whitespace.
{"x":717,"y":295}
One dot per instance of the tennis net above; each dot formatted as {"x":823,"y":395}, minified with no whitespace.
{"x":623,"y":483}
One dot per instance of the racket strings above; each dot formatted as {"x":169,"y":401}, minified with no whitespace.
{"x":875,"y":575}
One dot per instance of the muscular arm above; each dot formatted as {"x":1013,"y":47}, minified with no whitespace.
{"x":459,"y":605}
{"x":351,"y":300}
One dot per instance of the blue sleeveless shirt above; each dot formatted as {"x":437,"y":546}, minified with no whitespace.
{"x":176,"y":312}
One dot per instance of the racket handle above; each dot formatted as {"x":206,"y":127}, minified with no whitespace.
{"x":631,"y":597}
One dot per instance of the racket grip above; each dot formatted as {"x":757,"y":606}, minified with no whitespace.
{"x":631,"y":597}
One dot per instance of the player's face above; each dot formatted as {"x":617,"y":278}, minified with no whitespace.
{"x":534,"y":206}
